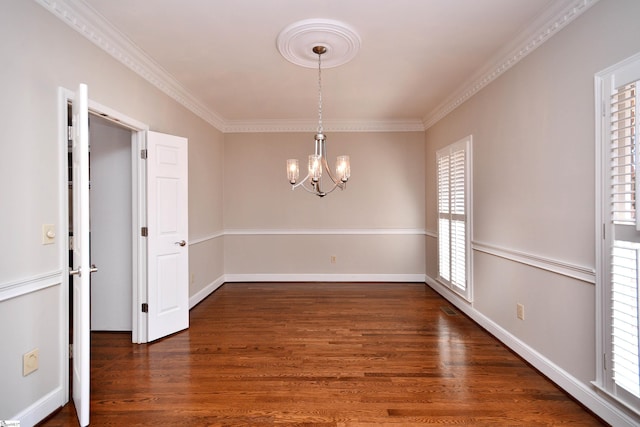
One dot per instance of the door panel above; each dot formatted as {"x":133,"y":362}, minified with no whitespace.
{"x":81,"y":263}
{"x":168,"y":252}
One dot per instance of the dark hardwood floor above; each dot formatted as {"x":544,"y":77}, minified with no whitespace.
{"x":320,"y":354}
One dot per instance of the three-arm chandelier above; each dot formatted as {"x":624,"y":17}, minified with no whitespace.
{"x":313,"y":182}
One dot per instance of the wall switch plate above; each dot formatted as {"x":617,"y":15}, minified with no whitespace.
{"x":520,"y":311}
{"x":48,"y":234}
{"x":30,"y":362}
{"x":333,"y":259}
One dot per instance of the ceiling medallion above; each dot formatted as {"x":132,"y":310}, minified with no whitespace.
{"x":296,"y":42}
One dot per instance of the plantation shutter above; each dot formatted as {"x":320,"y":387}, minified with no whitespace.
{"x":444,"y":227}
{"x":623,"y":286}
{"x":453,"y":225}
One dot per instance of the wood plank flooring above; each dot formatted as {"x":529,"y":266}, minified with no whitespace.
{"x":320,"y":354}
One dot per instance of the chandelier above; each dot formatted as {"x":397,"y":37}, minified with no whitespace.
{"x":314,"y":181}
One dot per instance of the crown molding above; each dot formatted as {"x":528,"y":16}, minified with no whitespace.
{"x":559,"y":14}
{"x":82,"y":18}
{"x":267,"y":126}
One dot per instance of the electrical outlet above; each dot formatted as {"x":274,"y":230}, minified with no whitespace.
{"x":30,"y":362}
{"x":520,"y":311}
{"x":333,"y":259}
{"x":48,"y":234}
{"x":193,"y":278}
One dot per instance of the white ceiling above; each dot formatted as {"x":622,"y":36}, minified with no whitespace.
{"x":417,"y":60}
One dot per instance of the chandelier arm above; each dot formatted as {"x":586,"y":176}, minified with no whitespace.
{"x":335,"y":185}
{"x":314,"y":189}
{"x":337,"y":182}
{"x":299,"y":183}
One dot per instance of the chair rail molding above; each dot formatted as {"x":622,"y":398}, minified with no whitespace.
{"x":30,"y":284}
{"x":585,"y":274}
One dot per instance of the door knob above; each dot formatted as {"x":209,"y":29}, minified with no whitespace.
{"x":93,"y":269}
{"x":181,"y":243}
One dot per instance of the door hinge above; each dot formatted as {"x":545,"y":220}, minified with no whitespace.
{"x":69,"y":133}
{"x":143,"y":154}
{"x":70,"y":351}
{"x":145,"y":307}
{"x":144,"y":231}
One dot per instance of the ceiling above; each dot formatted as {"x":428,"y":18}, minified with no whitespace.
{"x":417,"y":60}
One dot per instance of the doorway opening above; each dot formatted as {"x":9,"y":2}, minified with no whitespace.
{"x":117,"y":192}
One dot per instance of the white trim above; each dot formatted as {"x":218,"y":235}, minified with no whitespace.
{"x":600,"y":232}
{"x":205,"y":292}
{"x":267,"y":126}
{"x":206,"y":238}
{"x":558,"y":16}
{"x":82,"y":18}
{"x":42,"y":408}
{"x":585,"y":274}
{"x":574,"y":271}
{"x":562,"y":378}
{"x":345,"y":232}
{"x":138,"y":215}
{"x":63,"y":242}
{"x":410,"y":278}
{"x":31,"y":284}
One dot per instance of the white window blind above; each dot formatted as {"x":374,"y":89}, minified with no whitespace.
{"x":453,"y":163}
{"x":623,"y":155}
{"x":624,"y":318}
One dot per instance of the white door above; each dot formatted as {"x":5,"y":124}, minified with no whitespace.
{"x":81,"y":264}
{"x":167,"y":223}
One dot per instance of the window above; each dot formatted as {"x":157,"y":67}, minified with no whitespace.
{"x":454,"y":230}
{"x":618,"y":370}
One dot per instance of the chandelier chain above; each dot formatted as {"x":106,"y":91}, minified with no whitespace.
{"x":320,"y":128}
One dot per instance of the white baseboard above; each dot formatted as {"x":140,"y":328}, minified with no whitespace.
{"x":580,"y":391}
{"x":324,"y":278}
{"x":205,"y":292}
{"x":41,"y":408}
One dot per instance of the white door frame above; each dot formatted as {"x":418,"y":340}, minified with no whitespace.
{"x":138,"y":194}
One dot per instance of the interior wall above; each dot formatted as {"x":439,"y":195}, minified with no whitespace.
{"x":111,"y":228}
{"x":375,"y":226}
{"x":534,"y":187}
{"x":47,"y":54}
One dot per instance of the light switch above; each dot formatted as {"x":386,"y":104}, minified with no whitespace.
{"x":48,"y":234}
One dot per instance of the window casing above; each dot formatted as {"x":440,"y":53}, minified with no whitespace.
{"x":453,"y":165}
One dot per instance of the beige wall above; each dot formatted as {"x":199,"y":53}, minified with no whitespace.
{"x":42,"y":54}
{"x":294,"y":232}
{"x":534,"y":185}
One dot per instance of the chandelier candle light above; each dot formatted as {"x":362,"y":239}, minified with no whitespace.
{"x":318,"y":160}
